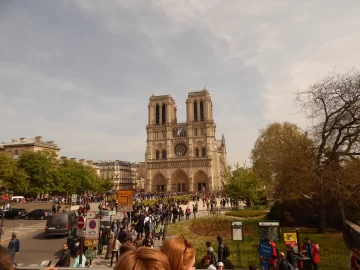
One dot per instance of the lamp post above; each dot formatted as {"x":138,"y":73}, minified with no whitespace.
{"x":109,"y":196}
{"x":4,"y":194}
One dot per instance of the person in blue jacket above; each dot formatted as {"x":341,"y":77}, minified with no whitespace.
{"x":14,"y":247}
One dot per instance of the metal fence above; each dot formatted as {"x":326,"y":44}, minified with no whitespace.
{"x":329,"y":260}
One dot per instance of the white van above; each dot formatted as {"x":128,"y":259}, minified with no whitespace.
{"x":18,"y":199}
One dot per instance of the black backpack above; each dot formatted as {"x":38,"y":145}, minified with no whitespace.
{"x":226,"y":251}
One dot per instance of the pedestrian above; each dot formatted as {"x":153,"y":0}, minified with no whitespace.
{"x":64,"y":260}
{"x":115,"y":247}
{"x":221,"y":248}
{"x":14,"y":247}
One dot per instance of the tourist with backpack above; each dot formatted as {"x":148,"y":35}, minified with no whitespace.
{"x":223,"y":250}
{"x":211,"y":253}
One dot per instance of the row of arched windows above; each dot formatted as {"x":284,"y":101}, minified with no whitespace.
{"x":163,"y":154}
{"x":163,"y":114}
{"x":203,"y":152}
{"x":196,"y":116}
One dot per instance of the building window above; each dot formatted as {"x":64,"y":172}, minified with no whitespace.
{"x":180,"y":150}
{"x":201,"y":111}
{"x":157,"y":115}
{"x":203,"y":151}
{"x":197,"y":152}
{"x":163,"y":154}
{"x":163,"y":120}
{"x":195,"y":111}
{"x":16,"y":154}
{"x":180,"y":132}
{"x":195,"y":131}
{"x":157,"y":154}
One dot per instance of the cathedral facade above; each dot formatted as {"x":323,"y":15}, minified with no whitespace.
{"x":183,"y":156}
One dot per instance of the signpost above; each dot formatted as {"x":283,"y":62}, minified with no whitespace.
{"x":237,"y":235}
{"x":92,"y":228}
{"x":269,"y":230}
{"x":81,"y":222}
{"x":291,"y":239}
{"x":125,"y":198}
{"x":80,"y":233}
{"x":73,"y":198}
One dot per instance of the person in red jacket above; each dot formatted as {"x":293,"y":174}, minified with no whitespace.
{"x":275,"y":256}
{"x":311,"y":250}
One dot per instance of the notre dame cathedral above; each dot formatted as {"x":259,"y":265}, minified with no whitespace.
{"x":183,"y":156}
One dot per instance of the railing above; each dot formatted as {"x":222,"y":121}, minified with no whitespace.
{"x":329,"y":260}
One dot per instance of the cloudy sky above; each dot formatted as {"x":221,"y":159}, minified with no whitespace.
{"x":81,"y":72}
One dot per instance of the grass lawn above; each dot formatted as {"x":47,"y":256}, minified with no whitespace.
{"x":205,"y":229}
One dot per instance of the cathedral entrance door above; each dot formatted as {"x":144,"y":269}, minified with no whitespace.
{"x":180,"y":181}
{"x":201,"y":187}
{"x":181,"y":187}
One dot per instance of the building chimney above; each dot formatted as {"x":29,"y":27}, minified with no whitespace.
{"x":73,"y":159}
{"x":89,"y":162}
{"x":63,"y":158}
{"x":38,"y":139}
{"x":82,"y":161}
{"x":21,"y":139}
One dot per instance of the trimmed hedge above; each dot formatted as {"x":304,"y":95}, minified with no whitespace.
{"x":247,"y":213}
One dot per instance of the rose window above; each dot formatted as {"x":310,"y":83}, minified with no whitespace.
{"x":180,"y":150}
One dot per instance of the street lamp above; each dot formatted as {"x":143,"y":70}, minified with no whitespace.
{"x":3,"y":194}
{"x":109,"y":196}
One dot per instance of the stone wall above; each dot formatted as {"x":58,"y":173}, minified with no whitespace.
{"x":354,"y":232}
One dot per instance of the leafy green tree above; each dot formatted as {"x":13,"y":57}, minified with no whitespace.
{"x":11,"y":176}
{"x":41,"y":168}
{"x":245,"y":183}
{"x":283,"y":156}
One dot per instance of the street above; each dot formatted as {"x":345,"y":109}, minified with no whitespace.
{"x":34,"y":247}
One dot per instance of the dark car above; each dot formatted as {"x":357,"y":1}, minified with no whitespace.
{"x":15,"y":213}
{"x":39,"y":214}
{"x":60,"y":224}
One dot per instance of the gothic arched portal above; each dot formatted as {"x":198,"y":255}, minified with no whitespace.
{"x":180,"y":181}
{"x":158,"y":183}
{"x":201,"y":181}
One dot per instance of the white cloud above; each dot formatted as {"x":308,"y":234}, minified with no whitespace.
{"x":81,"y":72}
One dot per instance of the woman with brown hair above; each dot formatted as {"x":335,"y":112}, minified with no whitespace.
{"x":180,"y":252}
{"x":143,"y":258}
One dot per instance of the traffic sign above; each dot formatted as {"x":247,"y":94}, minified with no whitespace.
{"x":80,"y":233}
{"x":125,"y":197}
{"x":81,"y":222}
{"x":92,"y":228}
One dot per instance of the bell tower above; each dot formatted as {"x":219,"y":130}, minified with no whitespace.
{"x":162,"y":110}
{"x":199,"y":107}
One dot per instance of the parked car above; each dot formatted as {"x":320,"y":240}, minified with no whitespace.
{"x":15,"y":213}
{"x":39,"y":214}
{"x":60,"y":224}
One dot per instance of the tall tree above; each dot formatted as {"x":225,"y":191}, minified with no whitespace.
{"x":11,"y":176}
{"x":333,"y":106}
{"x":244,"y":183}
{"x":283,"y":156}
{"x":41,"y":168}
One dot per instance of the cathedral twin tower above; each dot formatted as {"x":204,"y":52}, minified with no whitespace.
{"x":183,"y":156}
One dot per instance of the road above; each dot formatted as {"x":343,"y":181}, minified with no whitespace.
{"x":34,"y":247}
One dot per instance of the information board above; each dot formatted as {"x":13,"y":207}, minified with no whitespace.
{"x":125,"y":198}
{"x":237,"y":230}
{"x":269,"y":230}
